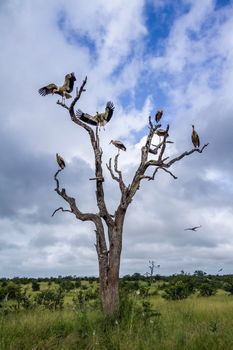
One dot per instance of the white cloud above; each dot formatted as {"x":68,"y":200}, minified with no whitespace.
{"x":107,"y":42}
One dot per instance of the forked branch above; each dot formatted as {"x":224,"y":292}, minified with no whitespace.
{"x":72,"y":203}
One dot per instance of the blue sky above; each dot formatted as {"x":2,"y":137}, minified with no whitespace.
{"x":146,"y":55}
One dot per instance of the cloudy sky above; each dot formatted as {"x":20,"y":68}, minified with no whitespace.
{"x":175,"y":55}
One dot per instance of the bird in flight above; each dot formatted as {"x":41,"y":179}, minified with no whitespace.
{"x":99,"y":119}
{"x":119,"y":145}
{"x":192,"y":228}
{"x":220,"y":270}
{"x":60,"y":161}
{"x":64,"y":90}
{"x":195,"y":138}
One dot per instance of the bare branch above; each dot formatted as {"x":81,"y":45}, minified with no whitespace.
{"x":139,"y":175}
{"x":62,"y":104}
{"x":109,"y":167}
{"x":122,"y":184}
{"x":161,"y":165}
{"x":79,"y":93}
{"x":164,"y":143}
{"x":169,"y":172}
{"x":97,"y":178}
{"x":60,"y":208}
{"x":56,"y":179}
{"x":150,"y":123}
{"x":185,"y":154}
{"x":71,"y":201}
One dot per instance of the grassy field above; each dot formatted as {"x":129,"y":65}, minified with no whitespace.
{"x":196,"y":323}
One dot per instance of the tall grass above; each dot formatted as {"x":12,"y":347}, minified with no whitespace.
{"x":192,"y":324}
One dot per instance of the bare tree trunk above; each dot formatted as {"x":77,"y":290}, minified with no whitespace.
{"x":109,"y":265}
{"x":109,"y":289}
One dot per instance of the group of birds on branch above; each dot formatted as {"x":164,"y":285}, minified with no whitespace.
{"x":161,"y":132}
{"x":116,"y":143}
{"x":101,"y":119}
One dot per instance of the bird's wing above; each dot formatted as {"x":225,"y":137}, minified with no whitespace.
{"x":48,"y":89}
{"x":109,"y":110}
{"x":87,"y":118}
{"x":69,"y":82}
{"x":120,"y":145}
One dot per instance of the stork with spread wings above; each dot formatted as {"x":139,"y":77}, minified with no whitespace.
{"x":64,"y":90}
{"x":99,"y":119}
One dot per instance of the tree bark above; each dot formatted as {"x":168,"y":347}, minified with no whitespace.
{"x":109,"y":265}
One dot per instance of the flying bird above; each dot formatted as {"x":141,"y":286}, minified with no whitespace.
{"x":99,"y":119}
{"x":158,"y":116}
{"x":119,"y":145}
{"x":192,"y":228}
{"x":60,"y":161}
{"x":64,"y":90}
{"x":195,"y":138}
{"x":220,"y":270}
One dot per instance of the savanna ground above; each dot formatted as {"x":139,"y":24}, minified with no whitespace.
{"x":146,"y":319}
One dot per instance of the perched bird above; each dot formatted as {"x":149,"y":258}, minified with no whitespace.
{"x":64,"y":90}
{"x":60,"y":161}
{"x":118,"y":144}
{"x":99,"y":119}
{"x":195,"y":138}
{"x":158,"y":116}
{"x":161,"y":132}
{"x":192,"y":228}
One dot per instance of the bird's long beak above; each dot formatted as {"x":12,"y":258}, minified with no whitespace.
{"x":110,"y":142}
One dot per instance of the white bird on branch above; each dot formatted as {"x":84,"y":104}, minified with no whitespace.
{"x":118,"y":144}
{"x":195,"y":138}
{"x":99,"y":119}
{"x":60,"y":161}
{"x":64,"y":90}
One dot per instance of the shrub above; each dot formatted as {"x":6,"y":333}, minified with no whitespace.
{"x":206,"y":289}
{"x":67,"y":285}
{"x":228,"y":287}
{"x":177,"y":291}
{"x":35,"y":286}
{"x":51,"y":299}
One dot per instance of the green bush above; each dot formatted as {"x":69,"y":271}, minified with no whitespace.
{"x":50,"y":299}
{"x":228,"y":287}
{"x":206,"y":289}
{"x":35,"y":286}
{"x":177,"y":291}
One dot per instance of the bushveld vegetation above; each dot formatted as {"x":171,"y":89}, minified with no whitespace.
{"x":182,"y":311}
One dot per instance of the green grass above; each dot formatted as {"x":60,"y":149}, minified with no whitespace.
{"x":192,"y":324}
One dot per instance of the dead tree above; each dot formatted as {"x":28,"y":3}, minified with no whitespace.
{"x":150,"y":274}
{"x":109,"y":244}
